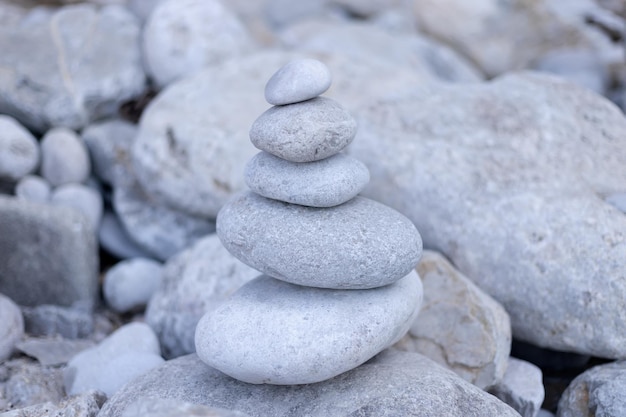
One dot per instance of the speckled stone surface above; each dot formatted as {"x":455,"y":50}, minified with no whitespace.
{"x":298,"y":80}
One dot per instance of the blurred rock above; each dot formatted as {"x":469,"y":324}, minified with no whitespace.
{"x":84,"y":405}
{"x":33,"y":188}
{"x":19,"y":150}
{"x":129,"y":284}
{"x":81,"y":198}
{"x":64,"y":158}
{"x":115,"y":239}
{"x":52,"y":350}
{"x":521,"y":387}
{"x":29,"y":383}
{"x":580,"y":66}
{"x":52,"y":320}
{"x":11,"y":327}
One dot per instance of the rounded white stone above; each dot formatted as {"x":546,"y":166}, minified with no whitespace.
{"x":304,"y":132}
{"x":298,"y":80}
{"x":273,"y":332}
{"x":33,"y":188}
{"x":19,"y":152}
{"x":325,"y":183}
{"x":64,"y":157}
{"x":358,"y":244}
{"x":82,"y":198}
{"x":130,"y":284}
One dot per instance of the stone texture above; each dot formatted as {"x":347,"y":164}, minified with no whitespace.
{"x":304,"y":132}
{"x":11,"y":327}
{"x":115,"y":239}
{"x":358,"y":244}
{"x":521,"y":387}
{"x":194,"y":282}
{"x":394,"y":383}
{"x":81,"y":198}
{"x":27,"y":383}
{"x":171,"y":408}
{"x":273,"y":332}
{"x":33,"y":188}
{"x":325,"y":183}
{"x":184,"y":36}
{"x":129,"y":284}
{"x":109,"y":145}
{"x":61,"y":250}
{"x":52,"y":351}
{"x":19,"y":151}
{"x":157,"y":229}
{"x":82,"y":62}
{"x":52,"y":320}
{"x":130,"y":351}
{"x":506,"y":180}
{"x":64,"y":158}
{"x":599,"y":392}
{"x":459,"y":326}
{"x":84,"y":405}
{"x":192,"y":143}
{"x":296,"y":81}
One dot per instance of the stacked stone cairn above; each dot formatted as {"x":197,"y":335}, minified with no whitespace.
{"x":339,"y":282}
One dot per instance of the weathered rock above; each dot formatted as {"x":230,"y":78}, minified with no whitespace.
{"x":84,"y":405}
{"x":64,"y":158}
{"x":521,"y":387}
{"x":194,"y":282}
{"x":83,"y":61}
{"x":184,"y":36}
{"x":33,"y":188}
{"x":11,"y":327}
{"x":61,"y":252}
{"x":115,"y":239}
{"x":172,"y":408}
{"x":52,"y":351}
{"x":28,"y":383}
{"x":325,"y":183}
{"x":19,"y":151}
{"x":129,"y":284}
{"x":599,"y":391}
{"x":358,"y":244}
{"x":459,"y":326}
{"x":274,"y":332}
{"x":394,"y":383}
{"x":296,"y":81}
{"x":82,"y":198}
{"x":52,"y":320}
{"x":504,"y":179}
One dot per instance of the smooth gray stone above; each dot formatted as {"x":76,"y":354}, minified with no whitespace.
{"x":82,"y":198}
{"x":514,"y":169}
{"x":48,"y":254}
{"x":274,"y":332}
{"x":157,"y":407}
{"x":11,"y":327}
{"x":64,"y":157}
{"x":128,"y":352}
{"x":52,"y":320}
{"x":157,"y":229}
{"x":33,"y":188}
{"x":53,"y":351}
{"x":87,"y":404}
{"x":194,"y":282}
{"x":521,"y":387}
{"x":129,"y":284}
{"x":304,"y":132}
{"x":393,"y":384}
{"x":296,"y":81}
{"x":598,"y":391}
{"x":460,"y":327}
{"x":325,"y":183}
{"x":83,"y":61}
{"x":109,"y":144}
{"x":19,"y":150}
{"x":26,"y":383}
{"x":358,"y":244}
{"x":115,"y":239}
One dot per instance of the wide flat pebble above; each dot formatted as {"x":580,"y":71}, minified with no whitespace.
{"x":304,"y":132}
{"x":324,"y":183}
{"x":298,"y":80}
{"x":33,"y":188}
{"x":273,"y":332}
{"x":129,"y":284}
{"x":81,"y":198}
{"x":358,"y":244}
{"x":64,"y":157}
{"x":19,"y":151}
{"x":11,"y":326}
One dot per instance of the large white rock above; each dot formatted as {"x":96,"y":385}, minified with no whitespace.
{"x":273,"y":332}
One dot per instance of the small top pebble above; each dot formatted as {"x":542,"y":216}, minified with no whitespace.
{"x":298,"y":80}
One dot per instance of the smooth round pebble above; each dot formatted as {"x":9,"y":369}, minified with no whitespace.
{"x":326,"y":183}
{"x":358,"y":244}
{"x":64,"y":157}
{"x":304,"y":132}
{"x":298,"y":80}
{"x":273,"y":332}
{"x":11,"y":326}
{"x":82,"y":198}
{"x":129,"y":284}
{"x":33,"y":188}
{"x":19,"y":152}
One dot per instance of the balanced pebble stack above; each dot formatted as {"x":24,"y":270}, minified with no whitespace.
{"x":339,"y":282}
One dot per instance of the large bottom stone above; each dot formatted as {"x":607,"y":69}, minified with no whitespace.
{"x":273,"y":332}
{"x":393,"y":384}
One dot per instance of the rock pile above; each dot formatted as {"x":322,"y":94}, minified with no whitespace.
{"x":339,"y":283}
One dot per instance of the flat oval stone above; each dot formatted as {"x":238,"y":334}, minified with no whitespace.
{"x":298,"y":80}
{"x":324,"y":183}
{"x":304,"y":132}
{"x":358,"y":244}
{"x":273,"y":332}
